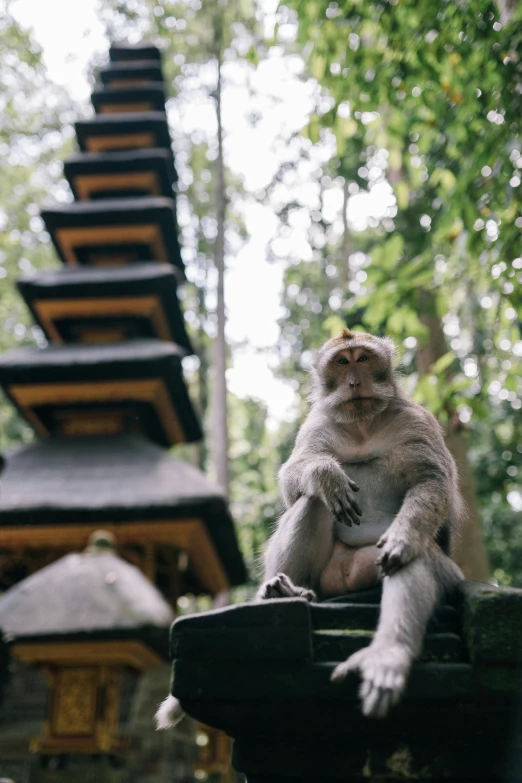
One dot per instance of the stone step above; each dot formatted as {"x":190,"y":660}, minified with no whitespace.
{"x":338,"y":645}
{"x":364,"y":617}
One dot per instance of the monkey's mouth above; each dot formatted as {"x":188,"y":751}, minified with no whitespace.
{"x":358,"y":399}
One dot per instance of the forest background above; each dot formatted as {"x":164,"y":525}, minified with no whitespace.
{"x":386,"y":197}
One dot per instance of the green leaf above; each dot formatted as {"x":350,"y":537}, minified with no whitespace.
{"x":442,"y":364}
{"x":333,"y":325}
{"x":402,"y":194}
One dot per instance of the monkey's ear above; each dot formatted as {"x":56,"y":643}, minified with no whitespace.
{"x":314,"y":362}
{"x":391,"y":349}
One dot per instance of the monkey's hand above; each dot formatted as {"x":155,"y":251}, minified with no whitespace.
{"x":399,"y":547}
{"x":337,"y":491}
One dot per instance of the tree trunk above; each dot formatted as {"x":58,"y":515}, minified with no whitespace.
{"x":220,"y":430}
{"x":347,"y":239}
{"x":470,"y":552}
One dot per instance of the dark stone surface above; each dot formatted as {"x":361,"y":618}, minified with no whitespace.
{"x":492,"y":619}
{"x":271,"y":690}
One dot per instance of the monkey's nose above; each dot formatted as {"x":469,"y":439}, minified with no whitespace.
{"x":355,"y":384}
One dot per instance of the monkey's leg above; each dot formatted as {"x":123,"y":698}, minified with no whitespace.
{"x":408,"y":600}
{"x":298,"y":551}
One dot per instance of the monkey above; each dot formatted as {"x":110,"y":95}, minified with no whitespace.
{"x":369,"y":485}
{"x":370,"y":479}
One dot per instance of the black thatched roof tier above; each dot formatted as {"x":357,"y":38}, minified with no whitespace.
{"x":261,"y":672}
{"x":119,"y":74}
{"x":138,"y":130}
{"x":146,"y":97}
{"x":115,"y":231}
{"x":90,"y":389}
{"x":138,"y":51}
{"x":94,"y":175}
{"x":88,"y":592}
{"x":68,"y":481}
{"x":75,"y":304}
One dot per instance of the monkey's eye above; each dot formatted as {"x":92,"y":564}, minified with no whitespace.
{"x":362,"y":359}
{"x":342,"y":360}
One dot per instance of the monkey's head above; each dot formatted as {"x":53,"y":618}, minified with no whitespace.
{"x":353,"y":375}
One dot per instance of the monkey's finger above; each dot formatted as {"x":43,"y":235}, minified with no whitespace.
{"x":384,"y":703}
{"x":392,"y":564}
{"x":350,"y":508}
{"x":341,"y":515}
{"x":353,"y":485}
{"x":345,"y":514}
{"x":381,"y":542}
{"x":336,"y":509}
{"x":350,"y":514}
{"x":397,"y":691}
{"x":371,"y":703}
{"x":339,"y":673}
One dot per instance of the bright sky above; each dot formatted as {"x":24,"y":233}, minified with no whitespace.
{"x":70,"y":34}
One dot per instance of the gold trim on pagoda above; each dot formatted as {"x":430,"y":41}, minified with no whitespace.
{"x":187,"y":535}
{"x":153,"y":391}
{"x":122,"y":141}
{"x":70,"y":240}
{"x":51,"y":310}
{"x":144,"y":181}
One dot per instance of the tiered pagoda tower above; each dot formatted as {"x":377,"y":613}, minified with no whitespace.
{"x":106,"y":398}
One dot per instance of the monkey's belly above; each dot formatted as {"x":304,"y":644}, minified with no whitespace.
{"x":379,"y":498}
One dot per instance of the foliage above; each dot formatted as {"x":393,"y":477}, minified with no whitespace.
{"x":187,"y":33}
{"x":423,"y":96}
{"x":415,"y":111}
{"x":34,"y":126}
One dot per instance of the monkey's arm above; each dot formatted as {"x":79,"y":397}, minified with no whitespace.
{"x":314,"y":472}
{"x":423,"y":464}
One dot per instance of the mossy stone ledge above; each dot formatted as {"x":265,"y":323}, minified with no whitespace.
{"x":261,"y":672}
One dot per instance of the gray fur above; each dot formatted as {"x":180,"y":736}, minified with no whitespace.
{"x":373,"y":473}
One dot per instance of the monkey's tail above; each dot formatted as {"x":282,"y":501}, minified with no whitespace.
{"x":169,"y":714}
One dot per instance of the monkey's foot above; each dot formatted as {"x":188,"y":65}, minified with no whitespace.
{"x":281,"y":586}
{"x":384,"y":673}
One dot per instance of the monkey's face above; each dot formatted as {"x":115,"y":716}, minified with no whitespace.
{"x":356,"y":378}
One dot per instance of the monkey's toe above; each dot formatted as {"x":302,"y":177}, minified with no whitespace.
{"x":377,"y":702}
{"x":281,"y":586}
{"x":383,"y":677}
